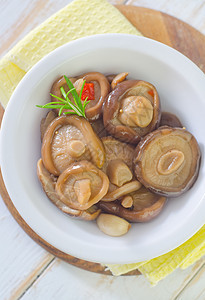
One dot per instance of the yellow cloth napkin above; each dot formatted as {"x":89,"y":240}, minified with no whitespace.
{"x":78,"y":19}
{"x":158,"y":268}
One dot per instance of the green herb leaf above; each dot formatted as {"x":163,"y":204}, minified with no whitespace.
{"x":66,"y":104}
{"x":74,"y":93}
{"x":60,"y":110}
{"x":81,"y":91}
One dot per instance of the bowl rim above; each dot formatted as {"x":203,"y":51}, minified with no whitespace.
{"x":90,"y":252}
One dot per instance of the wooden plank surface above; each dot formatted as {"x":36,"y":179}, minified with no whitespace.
{"x":21,"y":260}
{"x":81,"y":285}
{"x":190,"y":11}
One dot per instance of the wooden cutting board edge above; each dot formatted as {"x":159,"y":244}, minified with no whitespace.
{"x":152,"y":24}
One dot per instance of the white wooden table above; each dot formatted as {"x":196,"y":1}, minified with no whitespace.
{"x":29,"y":272}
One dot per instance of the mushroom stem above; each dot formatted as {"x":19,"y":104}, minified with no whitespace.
{"x":136,"y":111}
{"x":118,"y":172}
{"x":170,"y":162}
{"x":118,"y":78}
{"x":83,"y":190}
{"x":122,"y":191}
{"x":127,"y":202}
{"x":76,"y":148}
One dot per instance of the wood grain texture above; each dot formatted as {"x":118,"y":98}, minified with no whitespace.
{"x":195,"y":290}
{"x":82,"y":285}
{"x":165,"y":31}
{"x":190,"y":11}
{"x":168,"y":30}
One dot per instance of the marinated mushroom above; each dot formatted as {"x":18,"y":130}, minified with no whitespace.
{"x":118,"y":167}
{"x":99,"y":128}
{"x":48,"y":183}
{"x":132,"y":110}
{"x":55,"y":89}
{"x":127,"y":201}
{"x":69,"y":139}
{"x":145,"y":206}
{"x":88,"y":174}
{"x":118,"y":172}
{"x":167,"y":161}
{"x":171,"y":120}
{"x":81,"y":185}
{"x":110,"y":77}
{"x":96,"y":88}
{"x":51,"y":115}
{"x":101,"y":90}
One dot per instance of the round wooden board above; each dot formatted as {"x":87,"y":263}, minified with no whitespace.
{"x":152,"y":24}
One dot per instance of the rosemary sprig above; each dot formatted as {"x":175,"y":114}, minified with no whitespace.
{"x":66,"y":104}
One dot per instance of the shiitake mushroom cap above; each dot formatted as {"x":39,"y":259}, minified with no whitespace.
{"x":102,"y":88}
{"x":86,"y":134}
{"x":146,"y":206}
{"x":48,"y":183}
{"x":75,"y":173}
{"x":112,"y":106}
{"x":171,"y":120}
{"x":167,"y":161}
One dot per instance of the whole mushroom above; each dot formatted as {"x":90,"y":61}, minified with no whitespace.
{"x":145,"y":206}
{"x":82,"y":185}
{"x":167,"y":161}
{"x":171,"y":120}
{"x":95,"y":82}
{"x":69,"y":139}
{"x":132,"y":110}
{"x":48,"y":182}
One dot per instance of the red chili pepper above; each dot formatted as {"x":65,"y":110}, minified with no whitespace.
{"x":88,"y":91}
{"x":151,"y":92}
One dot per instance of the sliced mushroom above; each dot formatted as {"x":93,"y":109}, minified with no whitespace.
{"x":48,"y":184}
{"x":132,"y":110}
{"x":118,"y":167}
{"x":81,"y":185}
{"x":69,"y":139}
{"x":167,"y":161}
{"x":171,"y":120}
{"x":51,"y":115}
{"x":118,"y":78}
{"x":145,"y":206}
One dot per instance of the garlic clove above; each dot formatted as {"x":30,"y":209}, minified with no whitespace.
{"x":112,"y":225}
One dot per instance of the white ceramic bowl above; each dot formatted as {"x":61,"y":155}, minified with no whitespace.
{"x":181,"y":86}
